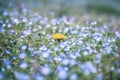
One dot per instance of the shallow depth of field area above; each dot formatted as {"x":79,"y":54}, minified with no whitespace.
{"x":59,"y":40}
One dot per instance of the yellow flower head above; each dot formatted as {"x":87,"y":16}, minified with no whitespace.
{"x":58,"y":36}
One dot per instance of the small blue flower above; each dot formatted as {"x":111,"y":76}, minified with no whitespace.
{"x":7,"y":63}
{"x":38,"y":77}
{"x":12,"y":31}
{"x":2,"y":30}
{"x":65,"y":61}
{"x":99,"y":77}
{"x":21,"y":76}
{"x":74,"y":77}
{"x":72,"y":62}
{"x":7,"y":51}
{"x":24,"y":47}
{"x":45,"y":54}
{"x":14,"y":57}
{"x":43,"y":48}
{"x":45,"y":70}
{"x":88,"y":67}
{"x":22,"y":55}
{"x":118,"y":70}
{"x":62,"y":74}
{"x":1,"y":76}
{"x":24,"y":65}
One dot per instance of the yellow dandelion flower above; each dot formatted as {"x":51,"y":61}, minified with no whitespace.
{"x":58,"y":36}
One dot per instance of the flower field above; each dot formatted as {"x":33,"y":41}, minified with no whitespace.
{"x":38,"y":47}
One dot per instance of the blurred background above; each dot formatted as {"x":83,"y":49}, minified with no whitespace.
{"x":65,"y":7}
{"x":100,"y":10}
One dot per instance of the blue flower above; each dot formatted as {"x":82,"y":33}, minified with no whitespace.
{"x":2,"y":30}
{"x":22,"y":55}
{"x":7,"y":51}
{"x":65,"y":61}
{"x":1,"y":76}
{"x":38,"y":77}
{"x":46,"y":70}
{"x":23,"y":47}
{"x":7,"y":63}
{"x":24,"y":65}
{"x":118,"y":70}
{"x":62,"y":74}
{"x":21,"y":76}
{"x":74,"y":77}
